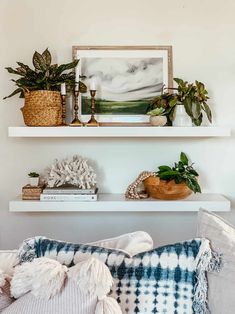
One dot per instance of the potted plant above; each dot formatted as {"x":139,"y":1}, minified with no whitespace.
{"x":172,"y":183}
{"x":186,"y":104}
{"x":40,"y":87}
{"x":33,"y":178}
{"x":158,"y":116}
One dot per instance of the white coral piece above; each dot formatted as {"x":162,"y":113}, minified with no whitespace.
{"x":71,"y":171}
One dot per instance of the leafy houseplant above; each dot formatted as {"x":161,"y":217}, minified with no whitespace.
{"x":172,"y":183}
{"x":181,"y":172}
{"x":40,"y":87}
{"x":158,"y":116}
{"x":193,"y":96}
{"x":33,"y":178}
{"x":44,"y":76}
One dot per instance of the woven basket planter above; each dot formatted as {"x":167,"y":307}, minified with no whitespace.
{"x":42,"y":108}
{"x":166,"y":190}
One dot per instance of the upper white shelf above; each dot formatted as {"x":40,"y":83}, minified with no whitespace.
{"x":118,"y":203}
{"x":108,"y":131}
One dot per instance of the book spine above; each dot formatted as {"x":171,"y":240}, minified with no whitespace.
{"x":28,"y":198}
{"x":68,"y":197}
{"x":76,"y":192}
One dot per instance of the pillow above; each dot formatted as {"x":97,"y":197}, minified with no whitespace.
{"x":133,"y":243}
{"x":222,"y":284}
{"x":5,"y":295}
{"x":45,"y":286}
{"x":169,"y":279}
{"x":8,"y":259}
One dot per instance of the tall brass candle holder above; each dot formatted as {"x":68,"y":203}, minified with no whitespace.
{"x":92,"y":121}
{"x":76,"y":121}
{"x":63,"y":98}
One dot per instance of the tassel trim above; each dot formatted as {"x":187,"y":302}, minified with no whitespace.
{"x":207,"y":260}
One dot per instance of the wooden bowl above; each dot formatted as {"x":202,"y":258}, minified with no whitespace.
{"x":166,"y":190}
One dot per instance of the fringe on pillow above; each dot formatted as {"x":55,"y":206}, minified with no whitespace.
{"x":207,"y":260}
{"x":27,"y":251}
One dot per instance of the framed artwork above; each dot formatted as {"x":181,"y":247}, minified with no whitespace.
{"x":127,"y":79}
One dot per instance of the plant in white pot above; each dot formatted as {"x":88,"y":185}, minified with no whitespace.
{"x":186,"y":105}
{"x":158,"y":116}
{"x":33,"y":178}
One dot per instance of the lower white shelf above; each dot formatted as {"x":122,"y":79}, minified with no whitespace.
{"x":118,"y":203}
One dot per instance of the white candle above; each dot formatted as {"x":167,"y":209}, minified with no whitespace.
{"x":76,"y":87}
{"x":77,"y":74}
{"x":93,"y":85}
{"x":63,"y":89}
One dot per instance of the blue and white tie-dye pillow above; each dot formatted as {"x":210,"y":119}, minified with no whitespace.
{"x":170,"y":279}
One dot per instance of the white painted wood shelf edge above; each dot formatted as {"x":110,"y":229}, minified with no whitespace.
{"x":114,"y":131}
{"x":118,"y":203}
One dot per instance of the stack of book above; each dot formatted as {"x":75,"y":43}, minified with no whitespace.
{"x":69,"y":194}
{"x":32,"y":192}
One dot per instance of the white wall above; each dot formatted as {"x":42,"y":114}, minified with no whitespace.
{"x":202,"y":35}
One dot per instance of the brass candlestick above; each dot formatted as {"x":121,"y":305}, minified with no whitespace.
{"x":92,"y":121}
{"x":76,"y":121}
{"x":63,"y":98}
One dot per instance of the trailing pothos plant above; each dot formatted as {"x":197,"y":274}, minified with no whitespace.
{"x":44,"y":75}
{"x":181,"y":172}
{"x":193,"y":96}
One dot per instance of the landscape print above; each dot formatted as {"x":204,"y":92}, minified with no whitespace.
{"x":125,"y":86}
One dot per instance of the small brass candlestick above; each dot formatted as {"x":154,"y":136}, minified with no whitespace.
{"x":92,"y":121}
{"x":76,"y":121}
{"x":63,"y":98}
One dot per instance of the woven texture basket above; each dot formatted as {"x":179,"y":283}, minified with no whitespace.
{"x":166,"y":190}
{"x":42,"y":108}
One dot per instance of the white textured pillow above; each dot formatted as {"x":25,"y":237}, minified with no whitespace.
{"x":44,"y":286}
{"x":222,"y":284}
{"x":71,"y":300}
{"x":132,"y":243}
{"x":8,"y":259}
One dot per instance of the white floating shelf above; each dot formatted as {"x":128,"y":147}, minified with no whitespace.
{"x":120,"y":131}
{"x":118,"y":203}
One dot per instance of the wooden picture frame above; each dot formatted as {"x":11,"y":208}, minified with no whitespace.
{"x":128,"y":78}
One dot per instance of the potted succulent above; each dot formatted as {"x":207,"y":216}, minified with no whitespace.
{"x":172,"y":183}
{"x":33,"y":178}
{"x":40,"y":87}
{"x":158,"y":116}
{"x":186,"y":104}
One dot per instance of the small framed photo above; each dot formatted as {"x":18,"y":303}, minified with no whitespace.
{"x":127,"y":78}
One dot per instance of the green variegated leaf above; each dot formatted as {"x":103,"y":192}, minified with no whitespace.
{"x":68,"y":66}
{"x":21,"y":70}
{"x":17,"y":91}
{"x":39,"y":62}
{"x":47,"y":57}
{"x":12,"y":71}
